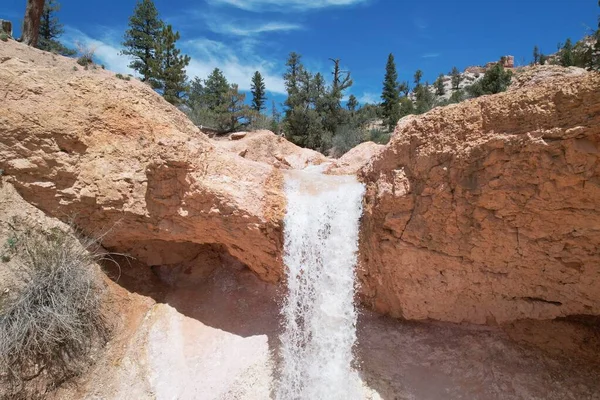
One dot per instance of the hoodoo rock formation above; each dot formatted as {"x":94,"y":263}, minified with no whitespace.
{"x":486,"y":211}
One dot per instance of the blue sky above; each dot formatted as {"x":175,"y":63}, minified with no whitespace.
{"x":241,"y":36}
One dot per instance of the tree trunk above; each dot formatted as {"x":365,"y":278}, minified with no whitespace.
{"x":31,"y":23}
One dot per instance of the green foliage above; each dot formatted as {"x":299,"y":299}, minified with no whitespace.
{"x":495,"y":80}
{"x":121,"y":76}
{"x":51,"y":29}
{"x":141,"y":38}
{"x":379,"y":136}
{"x":440,"y":90}
{"x":215,"y":103}
{"x":346,"y":138}
{"x":75,"y":68}
{"x":456,"y":78}
{"x":85,"y":60}
{"x":313,"y":111}
{"x":425,"y":99}
{"x":4,"y":36}
{"x":543,"y":59}
{"x":258,"y":90}
{"x":352,"y":103}
{"x":536,"y":54}
{"x":418,"y":76}
{"x":567,"y":57}
{"x":390,"y":95}
{"x":168,"y":69}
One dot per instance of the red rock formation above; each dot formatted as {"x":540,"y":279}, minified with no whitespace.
{"x":489,"y":210}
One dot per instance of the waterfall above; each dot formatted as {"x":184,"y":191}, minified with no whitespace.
{"x":320,"y":254}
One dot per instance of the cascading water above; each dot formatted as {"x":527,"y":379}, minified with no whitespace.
{"x":321,"y":244}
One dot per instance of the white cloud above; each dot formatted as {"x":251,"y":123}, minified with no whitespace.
{"x":237,"y":66}
{"x":107,"y":50}
{"x":285,"y":5}
{"x":237,"y":63}
{"x":431,"y":55}
{"x":239,"y":29}
{"x":369,"y":97}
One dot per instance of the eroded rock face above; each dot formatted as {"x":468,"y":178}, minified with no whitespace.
{"x":113,"y":155}
{"x":485,"y":211}
{"x":488,"y":211}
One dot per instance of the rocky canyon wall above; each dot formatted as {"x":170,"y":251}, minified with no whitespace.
{"x":489,"y":210}
{"x":486,"y":211}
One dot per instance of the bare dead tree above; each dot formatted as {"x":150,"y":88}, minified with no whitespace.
{"x":31,"y":23}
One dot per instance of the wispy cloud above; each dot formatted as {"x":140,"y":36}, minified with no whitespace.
{"x":369,"y":97}
{"x":238,"y":66}
{"x":240,"y":28}
{"x":285,"y":5}
{"x":238,"y":62}
{"x":431,"y":55}
{"x":107,"y":49}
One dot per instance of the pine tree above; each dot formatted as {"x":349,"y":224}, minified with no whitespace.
{"x":168,"y":70}
{"x":51,"y":29}
{"x":440,"y":90}
{"x":390,"y":95}
{"x":141,"y":38}
{"x":456,"y":78}
{"x":352,"y":103}
{"x":216,"y":88}
{"x":418,"y":76}
{"x":536,"y":54}
{"x":258,"y":92}
{"x":566,"y":54}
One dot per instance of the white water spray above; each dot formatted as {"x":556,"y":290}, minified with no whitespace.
{"x":321,"y":244}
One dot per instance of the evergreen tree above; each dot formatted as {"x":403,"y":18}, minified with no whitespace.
{"x":495,"y":80}
{"x":141,"y":38}
{"x":566,"y":54}
{"x":216,"y":89}
{"x":543,"y":59}
{"x":51,"y":29}
{"x":390,"y":95}
{"x":424,"y":99}
{"x":418,"y":76}
{"x":456,"y":78}
{"x":440,"y":90}
{"x":536,"y":54}
{"x":258,"y":92}
{"x":168,"y":70}
{"x":233,"y":114}
{"x":352,"y":103}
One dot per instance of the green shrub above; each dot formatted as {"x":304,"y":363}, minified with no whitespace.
{"x":379,"y":136}
{"x":121,"y":76}
{"x":48,"y":333}
{"x":346,"y":137}
{"x":85,"y":60}
{"x":4,"y":36}
{"x":495,"y":80}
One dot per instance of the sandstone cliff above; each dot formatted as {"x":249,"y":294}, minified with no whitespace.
{"x":489,"y":210}
{"x":120,"y":160}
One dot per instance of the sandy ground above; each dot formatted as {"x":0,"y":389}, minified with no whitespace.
{"x":412,"y":360}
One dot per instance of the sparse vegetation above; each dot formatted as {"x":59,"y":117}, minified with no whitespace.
{"x":123,"y":77}
{"x":49,"y":332}
{"x":4,"y":36}
{"x":86,"y":54}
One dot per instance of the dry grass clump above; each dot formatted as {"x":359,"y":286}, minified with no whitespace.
{"x":49,"y":333}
